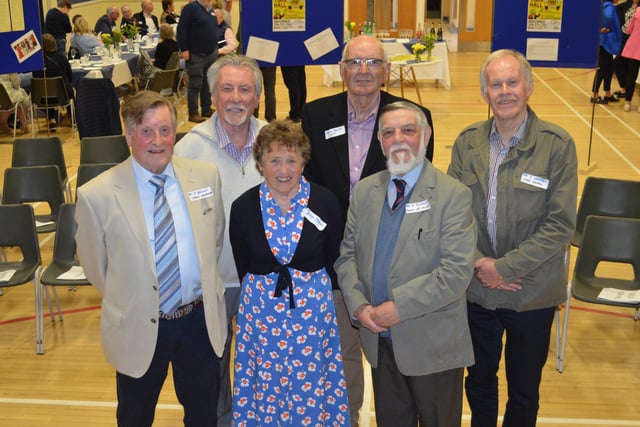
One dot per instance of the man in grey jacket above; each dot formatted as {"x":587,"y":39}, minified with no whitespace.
{"x":226,"y":140}
{"x":522,"y":172}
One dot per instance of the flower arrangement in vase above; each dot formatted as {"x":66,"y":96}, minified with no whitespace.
{"x":116,"y":37}
{"x":429,"y":41}
{"x":106,"y":40}
{"x":418,"y":48}
{"x":351,"y":26}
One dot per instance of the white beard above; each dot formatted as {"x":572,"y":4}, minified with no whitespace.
{"x":402,"y":167}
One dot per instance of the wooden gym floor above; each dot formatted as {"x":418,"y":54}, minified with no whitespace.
{"x":72,"y":385}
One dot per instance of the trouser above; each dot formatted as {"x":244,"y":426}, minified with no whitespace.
{"x":295,"y":79}
{"x":183,"y":343}
{"x":197,"y":67}
{"x":225,"y":403}
{"x":526,"y":350}
{"x":433,"y":400}
{"x":604,"y":72}
{"x":269,"y":85}
{"x":351,"y":357}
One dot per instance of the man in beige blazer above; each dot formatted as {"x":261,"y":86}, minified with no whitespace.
{"x":116,"y":241}
{"x":405,"y":263}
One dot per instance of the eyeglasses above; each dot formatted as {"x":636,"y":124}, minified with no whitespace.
{"x":356,"y":63}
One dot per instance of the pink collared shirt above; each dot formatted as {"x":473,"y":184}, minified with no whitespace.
{"x":359,"y":134}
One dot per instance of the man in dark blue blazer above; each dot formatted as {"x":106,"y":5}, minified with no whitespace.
{"x":345,"y":148}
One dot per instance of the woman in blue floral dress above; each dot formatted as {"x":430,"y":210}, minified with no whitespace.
{"x":285,"y":235}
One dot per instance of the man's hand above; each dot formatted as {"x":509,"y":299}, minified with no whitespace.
{"x":386,"y":315}
{"x":185,"y":55}
{"x":486,"y":273}
{"x":363,"y":314}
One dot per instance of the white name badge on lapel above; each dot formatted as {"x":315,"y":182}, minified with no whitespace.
{"x":314,"y":219}
{"x":417,"y":207}
{"x":332,"y":133}
{"x":202,"y":193}
{"x":536,"y":181}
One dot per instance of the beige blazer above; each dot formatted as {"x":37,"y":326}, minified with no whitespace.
{"x":117,"y":257}
{"x":429,"y":272}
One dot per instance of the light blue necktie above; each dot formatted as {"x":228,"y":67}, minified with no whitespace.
{"x":167,"y":265}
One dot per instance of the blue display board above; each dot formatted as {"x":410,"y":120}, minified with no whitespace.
{"x":20,"y":40}
{"x":258,"y":16}
{"x":578,"y":38}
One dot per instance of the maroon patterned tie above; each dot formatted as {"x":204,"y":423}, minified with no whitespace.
{"x":400,"y":184}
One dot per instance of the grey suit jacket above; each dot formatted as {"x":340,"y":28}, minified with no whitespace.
{"x":117,"y":258}
{"x":429,"y":273}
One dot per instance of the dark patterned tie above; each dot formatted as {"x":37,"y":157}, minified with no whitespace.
{"x":400,"y":184}
{"x":167,"y":265}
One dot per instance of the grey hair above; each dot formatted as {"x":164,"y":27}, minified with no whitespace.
{"x":525,"y":67}
{"x":236,"y":61}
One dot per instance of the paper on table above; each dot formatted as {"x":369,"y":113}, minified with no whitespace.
{"x":6,"y":275}
{"x":619,"y":295}
{"x":74,"y":273}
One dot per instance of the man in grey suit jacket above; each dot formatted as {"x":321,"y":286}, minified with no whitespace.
{"x":116,"y":237}
{"x":342,"y":130}
{"x":404,"y":267}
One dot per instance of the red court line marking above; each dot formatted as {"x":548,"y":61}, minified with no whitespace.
{"x":24,"y":319}
{"x":605,"y":312}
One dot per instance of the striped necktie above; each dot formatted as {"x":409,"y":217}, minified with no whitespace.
{"x":400,"y":185}
{"x":167,"y":265}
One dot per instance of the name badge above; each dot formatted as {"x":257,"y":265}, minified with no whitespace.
{"x":536,"y":181}
{"x":417,"y":207}
{"x":314,"y":219}
{"x":202,"y":193}
{"x":332,"y":133}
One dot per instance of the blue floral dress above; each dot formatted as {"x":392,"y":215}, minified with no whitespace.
{"x":288,"y":364}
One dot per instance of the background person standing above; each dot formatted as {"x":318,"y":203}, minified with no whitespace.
{"x":198,"y":41}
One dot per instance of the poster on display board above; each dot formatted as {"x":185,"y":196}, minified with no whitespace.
{"x":20,"y":36}
{"x":550,"y":33}
{"x":292,"y":32}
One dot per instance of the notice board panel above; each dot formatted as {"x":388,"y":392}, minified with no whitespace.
{"x":551,"y":33}
{"x":20,"y":38}
{"x":293,"y":32}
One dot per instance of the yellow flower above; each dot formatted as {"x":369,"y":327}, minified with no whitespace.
{"x":350,"y":25}
{"x":418,"y":48}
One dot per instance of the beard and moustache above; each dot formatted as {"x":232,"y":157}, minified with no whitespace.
{"x":401,"y":163}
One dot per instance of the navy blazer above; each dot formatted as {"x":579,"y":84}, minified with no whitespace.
{"x":329,"y":164}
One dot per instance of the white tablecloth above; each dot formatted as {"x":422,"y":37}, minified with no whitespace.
{"x":435,"y":70}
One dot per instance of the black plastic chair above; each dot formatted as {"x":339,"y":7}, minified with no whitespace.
{"x":64,"y":258}
{"x":35,"y":184}
{"x":606,"y":197}
{"x":51,"y":92}
{"x":17,"y":231}
{"x":87,"y":172}
{"x":605,"y":239}
{"x":42,"y":152}
{"x":104,"y":149}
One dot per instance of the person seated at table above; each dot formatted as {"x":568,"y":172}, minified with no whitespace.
{"x":166,"y":46}
{"x":127,"y":16}
{"x":107,"y":22}
{"x":147,"y":22}
{"x":227,"y":42}
{"x":168,"y":15}
{"x":56,"y":65}
{"x":83,"y":39}
{"x":11,"y":83}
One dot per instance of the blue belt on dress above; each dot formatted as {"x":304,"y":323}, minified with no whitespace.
{"x":183,"y":310}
